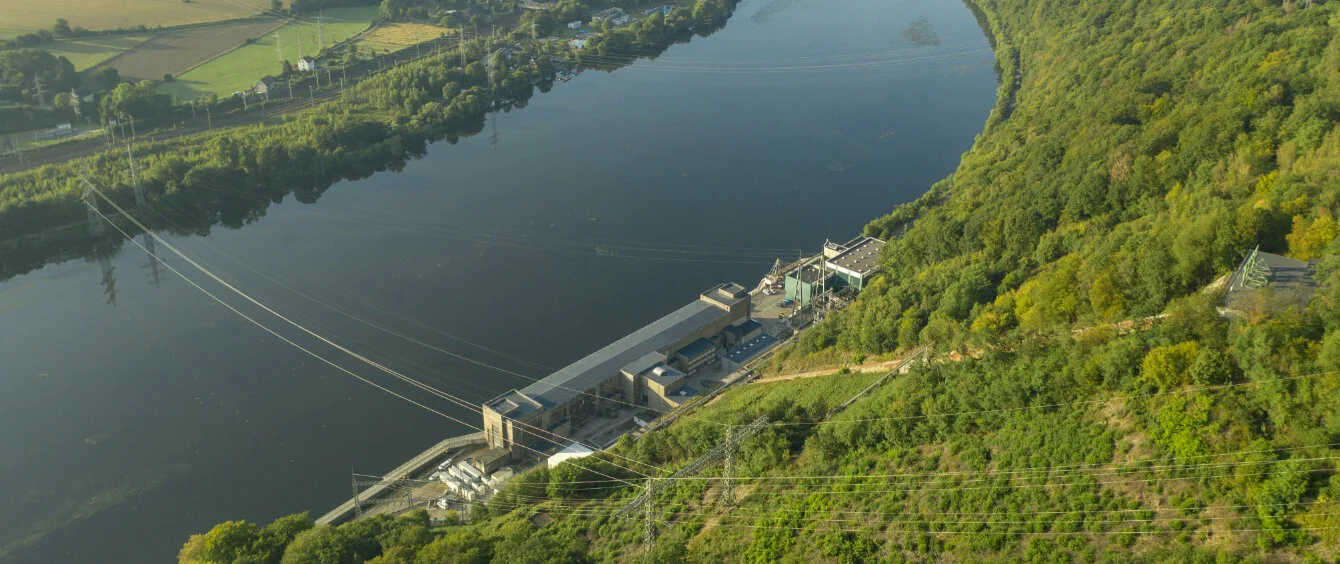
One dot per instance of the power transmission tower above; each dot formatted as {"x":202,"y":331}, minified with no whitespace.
{"x":74,"y":104}
{"x":95,"y":225}
{"x":153,"y":258}
{"x":41,"y":94}
{"x":320,"y":32}
{"x":728,"y":470}
{"x":96,"y":228}
{"x":141,"y":202}
{"x":358,"y":506}
{"x":1255,"y":272}
{"x":717,"y":454}
{"x":279,"y":46}
{"x":649,"y":529}
{"x":493,"y":104}
{"x":17,"y":150}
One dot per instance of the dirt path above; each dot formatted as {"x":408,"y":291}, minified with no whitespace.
{"x":863,"y":368}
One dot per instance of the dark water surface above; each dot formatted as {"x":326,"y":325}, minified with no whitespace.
{"x":606,"y":203}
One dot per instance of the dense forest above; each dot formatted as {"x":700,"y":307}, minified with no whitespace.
{"x":1138,"y":150}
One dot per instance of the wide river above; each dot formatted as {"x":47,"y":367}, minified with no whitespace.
{"x":604,"y":204}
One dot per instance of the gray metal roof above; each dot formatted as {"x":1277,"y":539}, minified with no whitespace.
{"x":863,"y":258}
{"x":666,"y":377}
{"x":584,"y":374}
{"x":643,"y":363}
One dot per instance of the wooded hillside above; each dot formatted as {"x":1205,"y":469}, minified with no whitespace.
{"x":1139,"y":150}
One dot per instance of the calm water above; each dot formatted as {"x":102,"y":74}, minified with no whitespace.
{"x":126,"y":427}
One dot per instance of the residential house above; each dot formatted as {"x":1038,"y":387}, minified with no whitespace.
{"x":264,"y":85}
{"x":616,"y":17}
{"x":307,"y":64}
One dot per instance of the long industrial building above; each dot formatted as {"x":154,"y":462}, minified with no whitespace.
{"x":646,"y":368}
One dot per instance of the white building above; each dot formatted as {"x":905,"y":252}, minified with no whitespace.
{"x":307,"y":64}
{"x":575,"y":25}
{"x":573,"y":451}
{"x":616,"y":17}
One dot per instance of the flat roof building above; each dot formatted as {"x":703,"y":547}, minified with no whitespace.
{"x":624,"y":372}
{"x":855,"y":261}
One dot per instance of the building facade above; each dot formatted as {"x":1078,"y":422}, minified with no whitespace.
{"x":645,"y":368}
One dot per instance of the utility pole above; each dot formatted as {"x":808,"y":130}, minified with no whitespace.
{"x":279,"y":46}
{"x":74,"y":103}
{"x":244,"y":102}
{"x":208,"y":119}
{"x":649,"y":531}
{"x":312,"y":92}
{"x":41,"y":94}
{"x":341,"y":88}
{"x":329,"y":82}
{"x":290,"y":87}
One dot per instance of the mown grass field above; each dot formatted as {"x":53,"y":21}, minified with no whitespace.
{"x":178,"y":51}
{"x":241,"y":68}
{"x":396,"y":36}
{"x":22,"y":16}
{"x":92,"y":51}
